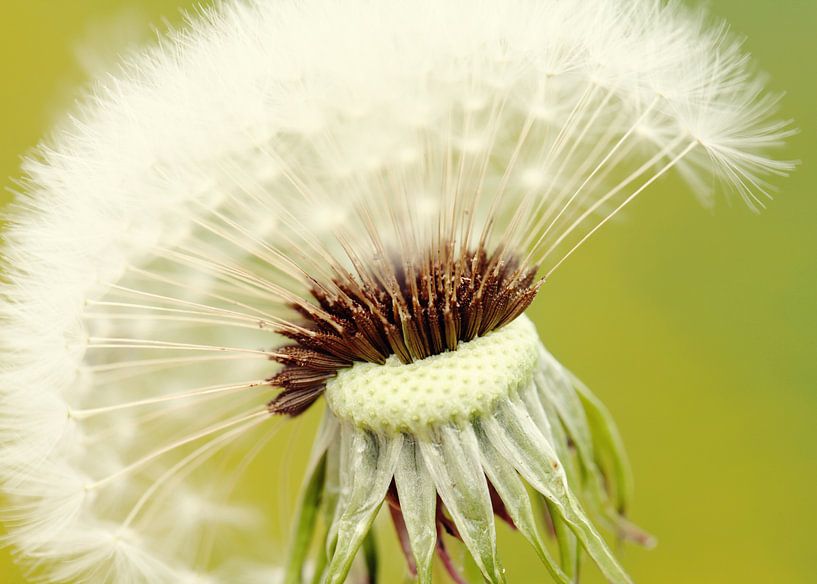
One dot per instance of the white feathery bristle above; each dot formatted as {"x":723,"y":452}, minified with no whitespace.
{"x":167,"y":229}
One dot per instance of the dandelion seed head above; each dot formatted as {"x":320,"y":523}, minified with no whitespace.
{"x":284,"y":199}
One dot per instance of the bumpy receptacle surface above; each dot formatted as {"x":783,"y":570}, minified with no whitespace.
{"x":451,"y":386}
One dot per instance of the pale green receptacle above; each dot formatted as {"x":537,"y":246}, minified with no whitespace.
{"x":449,"y":387}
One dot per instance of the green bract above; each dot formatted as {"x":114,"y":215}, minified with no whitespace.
{"x":496,"y":427}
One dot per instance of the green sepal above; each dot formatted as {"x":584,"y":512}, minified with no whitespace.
{"x":370,"y":556}
{"x":568,"y":544}
{"x":308,"y":511}
{"x":321,"y":560}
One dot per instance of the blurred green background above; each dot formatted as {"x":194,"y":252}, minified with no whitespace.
{"x":697,"y":328}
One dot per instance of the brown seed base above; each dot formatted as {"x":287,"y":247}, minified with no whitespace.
{"x":411,"y":310}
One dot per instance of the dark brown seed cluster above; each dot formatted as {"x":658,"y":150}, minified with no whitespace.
{"x":410,"y":310}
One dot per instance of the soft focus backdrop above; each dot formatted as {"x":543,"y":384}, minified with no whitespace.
{"x":697,"y":328}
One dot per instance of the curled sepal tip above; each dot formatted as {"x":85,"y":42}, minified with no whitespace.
{"x":516,"y":500}
{"x":365,"y":477}
{"x":518,"y":439}
{"x":418,"y":501}
{"x":452,"y":457}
